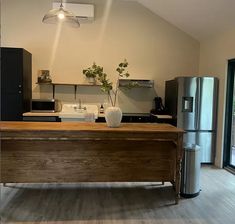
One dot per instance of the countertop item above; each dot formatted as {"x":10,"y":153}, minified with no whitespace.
{"x":45,"y":105}
{"x":79,"y":112}
{"x":69,"y":111}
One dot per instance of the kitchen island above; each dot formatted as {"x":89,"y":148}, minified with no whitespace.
{"x":43,"y":152}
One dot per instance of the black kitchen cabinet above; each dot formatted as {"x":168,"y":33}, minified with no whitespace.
{"x":16,"y":83}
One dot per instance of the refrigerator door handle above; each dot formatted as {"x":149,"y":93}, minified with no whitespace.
{"x":197,"y":105}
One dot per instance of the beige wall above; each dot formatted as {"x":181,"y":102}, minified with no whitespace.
{"x":214,"y":56}
{"x":154,"y":48}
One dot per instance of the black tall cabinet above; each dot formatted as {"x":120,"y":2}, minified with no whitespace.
{"x":16,"y":83}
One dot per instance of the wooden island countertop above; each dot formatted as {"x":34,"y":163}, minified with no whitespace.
{"x":86,"y":126}
{"x":45,"y":152}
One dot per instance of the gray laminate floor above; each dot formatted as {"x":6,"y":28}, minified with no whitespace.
{"x":120,"y":202}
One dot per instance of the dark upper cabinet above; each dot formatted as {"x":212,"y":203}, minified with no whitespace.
{"x":16,"y":83}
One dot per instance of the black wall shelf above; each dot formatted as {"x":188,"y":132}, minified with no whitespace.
{"x":75,"y":85}
{"x":141,"y":83}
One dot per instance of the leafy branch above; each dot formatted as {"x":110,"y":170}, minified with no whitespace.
{"x":93,"y":71}
{"x":106,"y":84}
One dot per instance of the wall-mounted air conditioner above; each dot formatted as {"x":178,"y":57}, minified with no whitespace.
{"x":82,"y":11}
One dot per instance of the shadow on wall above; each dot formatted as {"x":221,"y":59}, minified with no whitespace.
{"x":136,"y":100}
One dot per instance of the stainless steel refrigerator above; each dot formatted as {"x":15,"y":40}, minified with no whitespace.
{"x":192,"y":101}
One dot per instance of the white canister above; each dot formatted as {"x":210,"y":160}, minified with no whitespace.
{"x":113,"y":117}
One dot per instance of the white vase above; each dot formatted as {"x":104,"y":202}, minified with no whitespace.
{"x":113,"y":117}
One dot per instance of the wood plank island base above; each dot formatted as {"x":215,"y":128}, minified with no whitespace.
{"x":41,"y":152}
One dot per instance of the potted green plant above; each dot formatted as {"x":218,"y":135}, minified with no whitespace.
{"x":92,"y":72}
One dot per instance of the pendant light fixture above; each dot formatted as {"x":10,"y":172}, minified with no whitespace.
{"x":61,"y":15}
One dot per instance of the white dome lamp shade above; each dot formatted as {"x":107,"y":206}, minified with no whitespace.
{"x":61,"y":15}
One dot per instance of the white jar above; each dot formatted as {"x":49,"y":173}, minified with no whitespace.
{"x":113,"y":117}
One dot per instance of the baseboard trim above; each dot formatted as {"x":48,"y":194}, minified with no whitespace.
{"x":231,"y":170}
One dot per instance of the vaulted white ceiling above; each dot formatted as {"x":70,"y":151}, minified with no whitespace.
{"x":199,"y":18}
